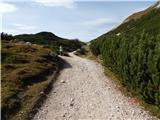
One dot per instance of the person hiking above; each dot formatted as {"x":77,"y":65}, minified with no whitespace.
{"x":61,"y":50}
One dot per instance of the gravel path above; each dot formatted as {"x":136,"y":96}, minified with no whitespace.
{"x":83,"y":92}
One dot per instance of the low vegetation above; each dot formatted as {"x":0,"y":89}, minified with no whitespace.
{"x":27,"y":62}
{"x":132,"y":52}
{"x":82,"y":51}
{"x":25,"y":70}
{"x":51,"y":40}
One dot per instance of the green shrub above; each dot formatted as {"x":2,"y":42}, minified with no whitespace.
{"x":134,"y":56}
{"x":81,"y":51}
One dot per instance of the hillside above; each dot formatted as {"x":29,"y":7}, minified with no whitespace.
{"x":138,"y":15}
{"x":51,"y":40}
{"x":131,"y":51}
{"x":26,"y":68}
{"x":25,"y":72}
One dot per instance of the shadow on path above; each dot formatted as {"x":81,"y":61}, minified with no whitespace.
{"x":63,"y":64}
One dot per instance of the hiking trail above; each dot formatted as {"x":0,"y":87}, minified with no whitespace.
{"x":82,"y":91}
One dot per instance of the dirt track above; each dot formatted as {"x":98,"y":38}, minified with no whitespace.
{"x":82,"y":91}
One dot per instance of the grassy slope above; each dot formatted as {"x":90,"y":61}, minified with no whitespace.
{"x":149,"y":22}
{"x":24,"y":75}
{"x":51,"y":40}
{"x":129,"y":43}
{"x":138,"y":15}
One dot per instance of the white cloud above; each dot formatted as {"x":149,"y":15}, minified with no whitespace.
{"x":57,"y":3}
{"x":98,"y":22}
{"x":5,"y":7}
{"x":23,"y":27}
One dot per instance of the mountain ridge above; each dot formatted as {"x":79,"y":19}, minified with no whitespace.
{"x":139,"y":14}
{"x":44,"y":33}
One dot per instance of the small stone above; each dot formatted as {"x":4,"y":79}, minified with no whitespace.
{"x":64,"y":115}
{"x":112,"y":115}
{"x":118,"y":107}
{"x":140,"y":111}
{"x":62,"y":81}
{"x":126,"y":112}
{"x":71,"y":104}
{"x":72,"y":99}
{"x":54,"y":91}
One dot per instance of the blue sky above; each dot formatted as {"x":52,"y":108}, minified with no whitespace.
{"x":71,"y":19}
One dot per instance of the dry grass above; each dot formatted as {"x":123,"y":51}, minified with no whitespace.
{"x":25,"y":71}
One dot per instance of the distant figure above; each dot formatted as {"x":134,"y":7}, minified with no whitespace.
{"x":61,"y":50}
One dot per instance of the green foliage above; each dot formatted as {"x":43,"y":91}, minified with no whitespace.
{"x":50,"y":40}
{"x":81,"y":51}
{"x":134,"y":55}
{"x":5,"y":36}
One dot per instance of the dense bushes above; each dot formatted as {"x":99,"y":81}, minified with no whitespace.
{"x":135,"y":57}
{"x":137,"y":60}
{"x":95,"y":47}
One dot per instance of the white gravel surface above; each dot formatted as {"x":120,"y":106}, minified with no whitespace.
{"x":83,"y":92}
